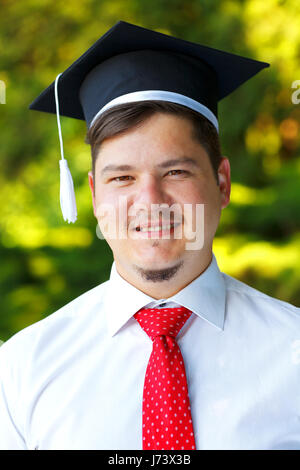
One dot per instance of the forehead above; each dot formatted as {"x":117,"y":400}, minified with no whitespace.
{"x":161,"y":140}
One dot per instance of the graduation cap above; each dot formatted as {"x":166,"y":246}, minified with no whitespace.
{"x":131,"y":64}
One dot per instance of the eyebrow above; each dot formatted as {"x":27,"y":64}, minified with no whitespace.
{"x":166,"y":164}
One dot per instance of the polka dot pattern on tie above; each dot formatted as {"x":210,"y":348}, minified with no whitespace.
{"x":167,"y":420}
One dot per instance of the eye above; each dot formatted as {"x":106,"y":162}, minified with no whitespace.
{"x":182,"y":171}
{"x":117,"y":178}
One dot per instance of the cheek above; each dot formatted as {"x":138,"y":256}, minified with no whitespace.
{"x":105,"y":210}
{"x":203,"y":204}
{"x":206,"y":192}
{"x":105,"y":200}
{"x":103,"y":194}
{"x":191,"y":195}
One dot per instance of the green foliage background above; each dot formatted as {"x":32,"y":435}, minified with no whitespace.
{"x":45,"y":262}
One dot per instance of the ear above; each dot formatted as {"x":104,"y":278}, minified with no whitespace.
{"x":92,"y":188}
{"x":224,"y":181}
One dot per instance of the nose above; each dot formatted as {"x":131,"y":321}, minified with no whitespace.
{"x":151,"y":191}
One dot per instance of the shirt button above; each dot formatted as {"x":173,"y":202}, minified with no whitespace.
{"x":163,"y":304}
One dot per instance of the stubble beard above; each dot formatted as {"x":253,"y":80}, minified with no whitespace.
{"x":158,"y":275}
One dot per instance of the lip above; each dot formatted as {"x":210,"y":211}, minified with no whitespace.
{"x":155,"y":225}
{"x":160,"y":232}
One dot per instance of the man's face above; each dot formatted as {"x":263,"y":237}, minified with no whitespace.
{"x":152,"y":181}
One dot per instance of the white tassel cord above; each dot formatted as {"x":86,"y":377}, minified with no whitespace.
{"x":67,"y":194}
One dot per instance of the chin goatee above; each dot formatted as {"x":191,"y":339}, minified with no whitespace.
{"x":158,"y":275}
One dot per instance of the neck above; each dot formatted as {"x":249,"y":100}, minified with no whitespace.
{"x":164,"y":282}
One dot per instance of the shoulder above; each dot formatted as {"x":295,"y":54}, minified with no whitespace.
{"x":254,"y":299}
{"x":54,"y":325}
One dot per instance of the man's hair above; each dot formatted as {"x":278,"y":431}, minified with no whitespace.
{"x":121,"y":118}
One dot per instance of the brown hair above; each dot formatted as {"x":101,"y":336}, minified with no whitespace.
{"x":123,"y":117}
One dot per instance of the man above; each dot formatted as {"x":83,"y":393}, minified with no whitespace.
{"x":169,"y":353}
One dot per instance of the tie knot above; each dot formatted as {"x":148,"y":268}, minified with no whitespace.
{"x":162,"y":321}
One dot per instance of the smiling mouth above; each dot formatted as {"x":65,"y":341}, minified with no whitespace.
{"x":160,"y":230}
{"x":156,"y":228}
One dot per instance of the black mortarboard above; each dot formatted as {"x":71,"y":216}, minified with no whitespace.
{"x":130,"y":63}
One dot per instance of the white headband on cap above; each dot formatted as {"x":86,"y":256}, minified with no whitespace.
{"x":163,"y":96}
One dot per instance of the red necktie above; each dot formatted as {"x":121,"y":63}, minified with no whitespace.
{"x":167,"y":420}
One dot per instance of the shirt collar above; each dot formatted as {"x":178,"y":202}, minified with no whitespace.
{"x":205,"y":296}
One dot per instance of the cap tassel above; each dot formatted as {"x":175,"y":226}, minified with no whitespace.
{"x":67,"y":194}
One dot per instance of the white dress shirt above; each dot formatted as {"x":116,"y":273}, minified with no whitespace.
{"x":74,"y":380}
